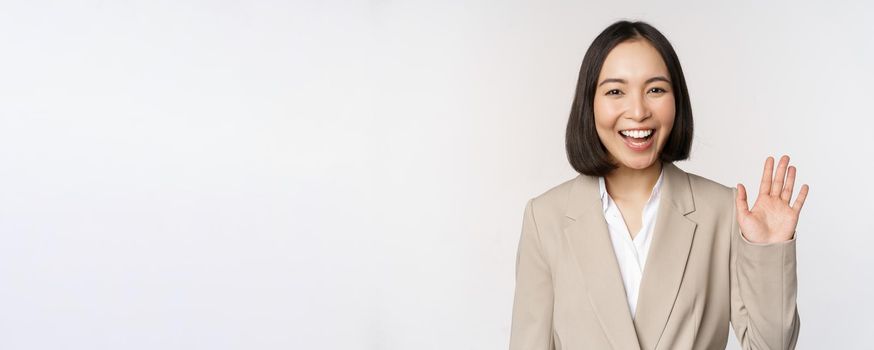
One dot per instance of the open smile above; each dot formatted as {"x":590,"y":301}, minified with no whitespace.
{"x":638,"y":140}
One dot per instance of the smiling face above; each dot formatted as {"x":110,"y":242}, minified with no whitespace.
{"x":634,"y":104}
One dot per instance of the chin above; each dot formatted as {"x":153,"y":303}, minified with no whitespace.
{"x":640,"y":164}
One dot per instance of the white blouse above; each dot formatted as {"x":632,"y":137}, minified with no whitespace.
{"x":631,"y":253}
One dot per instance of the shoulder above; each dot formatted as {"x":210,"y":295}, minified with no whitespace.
{"x":707,"y":187}
{"x":551,"y":205}
{"x":710,"y":194}
{"x":557,"y":194}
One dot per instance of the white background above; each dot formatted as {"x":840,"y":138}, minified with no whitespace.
{"x":352,"y":175}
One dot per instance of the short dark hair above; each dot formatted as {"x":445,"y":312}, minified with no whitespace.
{"x":585,"y":151}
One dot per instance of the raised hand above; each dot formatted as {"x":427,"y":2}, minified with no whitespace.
{"x":771,"y":219}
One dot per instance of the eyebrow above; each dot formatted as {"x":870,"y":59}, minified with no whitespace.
{"x":650,"y":80}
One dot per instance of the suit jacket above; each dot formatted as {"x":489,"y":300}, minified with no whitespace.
{"x":700,"y":274}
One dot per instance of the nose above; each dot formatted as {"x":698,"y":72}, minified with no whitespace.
{"x":638,"y":110}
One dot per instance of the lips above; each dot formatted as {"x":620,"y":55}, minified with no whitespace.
{"x":638,"y":139}
{"x":639,"y":145}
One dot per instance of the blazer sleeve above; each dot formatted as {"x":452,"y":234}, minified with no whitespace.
{"x":531,"y":325}
{"x":763,"y":290}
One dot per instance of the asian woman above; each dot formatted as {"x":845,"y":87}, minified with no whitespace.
{"x":636,"y":253}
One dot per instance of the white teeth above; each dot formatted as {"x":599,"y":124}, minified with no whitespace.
{"x":638,"y":134}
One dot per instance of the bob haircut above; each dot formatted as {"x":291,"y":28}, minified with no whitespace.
{"x":585,"y":150}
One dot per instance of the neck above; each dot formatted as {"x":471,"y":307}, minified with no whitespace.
{"x":625,"y":183}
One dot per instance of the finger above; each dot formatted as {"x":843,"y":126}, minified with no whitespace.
{"x":799,"y":201}
{"x":779,"y":179}
{"x":786,"y":195}
{"x":765,"y":185}
{"x":741,"y":200}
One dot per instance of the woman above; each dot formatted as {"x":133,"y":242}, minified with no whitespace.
{"x":635,"y":253}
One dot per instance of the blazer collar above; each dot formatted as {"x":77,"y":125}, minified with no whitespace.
{"x":587,"y":233}
{"x":605,"y":198}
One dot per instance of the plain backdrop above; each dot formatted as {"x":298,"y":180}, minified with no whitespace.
{"x":352,"y":174}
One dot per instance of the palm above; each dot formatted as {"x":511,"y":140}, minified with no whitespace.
{"x":772,"y":219}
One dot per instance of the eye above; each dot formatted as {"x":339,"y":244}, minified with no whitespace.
{"x":611,"y":92}
{"x":658,"y":90}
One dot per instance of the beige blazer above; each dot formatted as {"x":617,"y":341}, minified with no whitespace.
{"x":700,"y":274}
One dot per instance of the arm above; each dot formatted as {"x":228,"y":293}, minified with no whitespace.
{"x":763,"y":290}
{"x":762,"y":262}
{"x":531,"y":325}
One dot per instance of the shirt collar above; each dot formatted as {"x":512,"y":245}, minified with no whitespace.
{"x":605,"y":198}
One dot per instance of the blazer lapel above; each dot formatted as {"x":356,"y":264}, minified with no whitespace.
{"x":589,"y":239}
{"x":666,"y":261}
